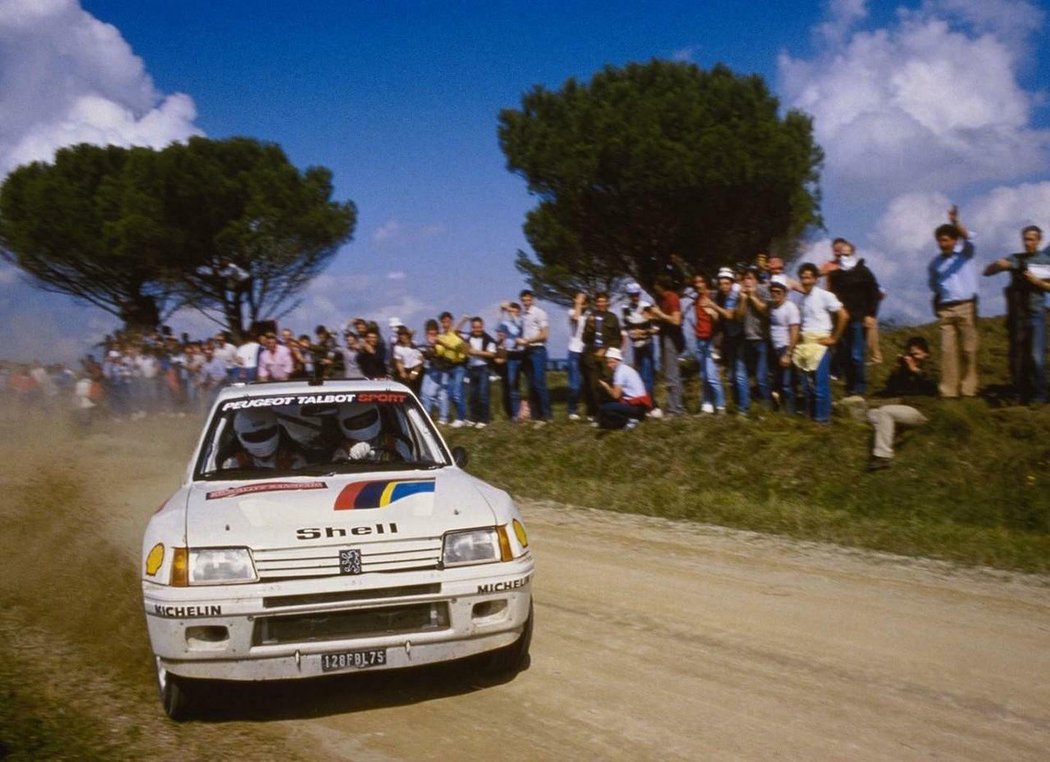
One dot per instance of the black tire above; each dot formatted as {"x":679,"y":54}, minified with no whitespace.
{"x":174,"y":696}
{"x":515,"y":657}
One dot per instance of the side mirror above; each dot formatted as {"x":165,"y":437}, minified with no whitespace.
{"x":459,"y":456}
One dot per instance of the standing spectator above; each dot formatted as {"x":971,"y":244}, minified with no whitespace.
{"x":730,"y":336}
{"x":638,"y":330}
{"x":454,"y":350}
{"x":577,"y":320}
{"x":275,"y":360}
{"x":705,"y":319}
{"x":628,"y":402}
{"x":435,"y":375}
{"x":351,"y":346}
{"x":509,"y":331}
{"x":601,"y":332}
{"x":855,"y":286}
{"x":211,"y":377}
{"x":535,"y":332}
{"x":953,"y":281}
{"x":482,"y":352}
{"x":784,"y":322}
{"x":247,"y":360}
{"x":1026,"y":314}
{"x":667,"y":313}
{"x":408,"y":360}
{"x":838,"y":247}
{"x":823,"y":321}
{"x":752,"y":310}
{"x":224,"y":349}
{"x":371,"y":356}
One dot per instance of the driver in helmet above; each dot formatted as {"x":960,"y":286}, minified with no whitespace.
{"x":260,"y":443}
{"x":363,"y":437}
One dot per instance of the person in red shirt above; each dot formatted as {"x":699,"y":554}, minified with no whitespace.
{"x":705,"y":321}
{"x":668,"y":315}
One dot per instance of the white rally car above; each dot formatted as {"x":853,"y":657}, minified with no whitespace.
{"x":326,"y":528}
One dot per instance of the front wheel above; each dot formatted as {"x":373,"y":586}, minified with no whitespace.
{"x":174,"y":696}
{"x":515,"y":657}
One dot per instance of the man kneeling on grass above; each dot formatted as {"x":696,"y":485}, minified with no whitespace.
{"x":629,"y":401}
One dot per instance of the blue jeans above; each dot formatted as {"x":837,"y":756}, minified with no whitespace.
{"x":816,"y":390}
{"x":1035,"y":358}
{"x":751,"y":357}
{"x":575,"y":382}
{"x":712,"y":391}
{"x":645,"y":364}
{"x":435,"y":389}
{"x":853,"y":346}
{"x":479,"y":393}
{"x":511,"y":390}
{"x":538,"y":381}
{"x":784,"y":378}
{"x":455,"y":389}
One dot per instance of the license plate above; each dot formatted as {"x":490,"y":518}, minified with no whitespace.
{"x":369,"y":657}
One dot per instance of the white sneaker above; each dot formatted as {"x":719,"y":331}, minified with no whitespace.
{"x":442,"y":423}
{"x":721,"y":411}
{"x":456,"y":424}
{"x":574,"y":417}
{"x":707,"y":408}
{"x":480,"y":425}
{"x":631,"y":424}
{"x":656,"y":413}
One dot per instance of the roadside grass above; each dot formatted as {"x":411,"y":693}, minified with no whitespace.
{"x":972,"y":486}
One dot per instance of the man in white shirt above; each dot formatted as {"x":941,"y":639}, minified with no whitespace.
{"x":823,"y":321}
{"x":784,"y":323}
{"x":275,"y":361}
{"x":629,"y":401}
{"x":535,"y":332}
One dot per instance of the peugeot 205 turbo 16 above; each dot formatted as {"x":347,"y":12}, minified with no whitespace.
{"x":322,"y":529}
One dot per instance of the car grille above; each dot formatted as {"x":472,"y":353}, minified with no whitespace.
{"x":323,"y":561}
{"x":343,"y":625}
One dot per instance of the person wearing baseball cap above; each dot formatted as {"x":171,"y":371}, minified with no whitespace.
{"x":628,"y":402}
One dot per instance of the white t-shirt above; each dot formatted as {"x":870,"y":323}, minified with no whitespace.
{"x":248,"y":354}
{"x":818,"y":306}
{"x":409,"y":356}
{"x":629,"y":381}
{"x":534,"y":321}
{"x":576,"y":326}
{"x":780,"y":320}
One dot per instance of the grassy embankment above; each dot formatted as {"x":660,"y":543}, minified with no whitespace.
{"x":972,"y":486}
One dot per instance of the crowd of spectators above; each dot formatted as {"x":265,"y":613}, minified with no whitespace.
{"x":760,"y":337}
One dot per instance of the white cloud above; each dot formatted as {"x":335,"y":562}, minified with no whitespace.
{"x":919,"y":114}
{"x":686,"y":54}
{"x":396,"y":275}
{"x":931,"y":102}
{"x":97,"y":89}
{"x":392,"y":234}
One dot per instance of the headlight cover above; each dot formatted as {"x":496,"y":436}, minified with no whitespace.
{"x":473,"y":546}
{"x":221,"y":566}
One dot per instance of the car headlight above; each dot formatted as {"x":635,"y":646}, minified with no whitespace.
{"x":473,"y":546}
{"x":220,"y":566}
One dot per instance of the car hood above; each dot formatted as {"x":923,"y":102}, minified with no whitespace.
{"x":288,"y":511}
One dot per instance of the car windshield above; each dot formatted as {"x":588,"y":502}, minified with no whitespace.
{"x":318,"y":433}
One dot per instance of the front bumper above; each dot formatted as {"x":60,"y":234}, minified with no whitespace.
{"x":280,"y":630}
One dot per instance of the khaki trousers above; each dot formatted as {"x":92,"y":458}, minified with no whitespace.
{"x":958,"y":349}
{"x":885,"y":419}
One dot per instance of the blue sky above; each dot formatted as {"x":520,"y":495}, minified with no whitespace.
{"x":917,"y":104}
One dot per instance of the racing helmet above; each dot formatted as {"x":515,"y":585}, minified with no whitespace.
{"x":306,"y":431}
{"x":257,"y":431}
{"x":359,"y":420}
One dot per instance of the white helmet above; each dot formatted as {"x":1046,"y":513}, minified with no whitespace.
{"x":306,"y":431}
{"x":257,"y":431}
{"x":359,"y":420}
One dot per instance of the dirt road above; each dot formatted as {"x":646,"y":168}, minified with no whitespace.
{"x":654,"y":640}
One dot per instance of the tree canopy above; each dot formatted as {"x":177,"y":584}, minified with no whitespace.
{"x":230,"y":228}
{"x":653,"y":162}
